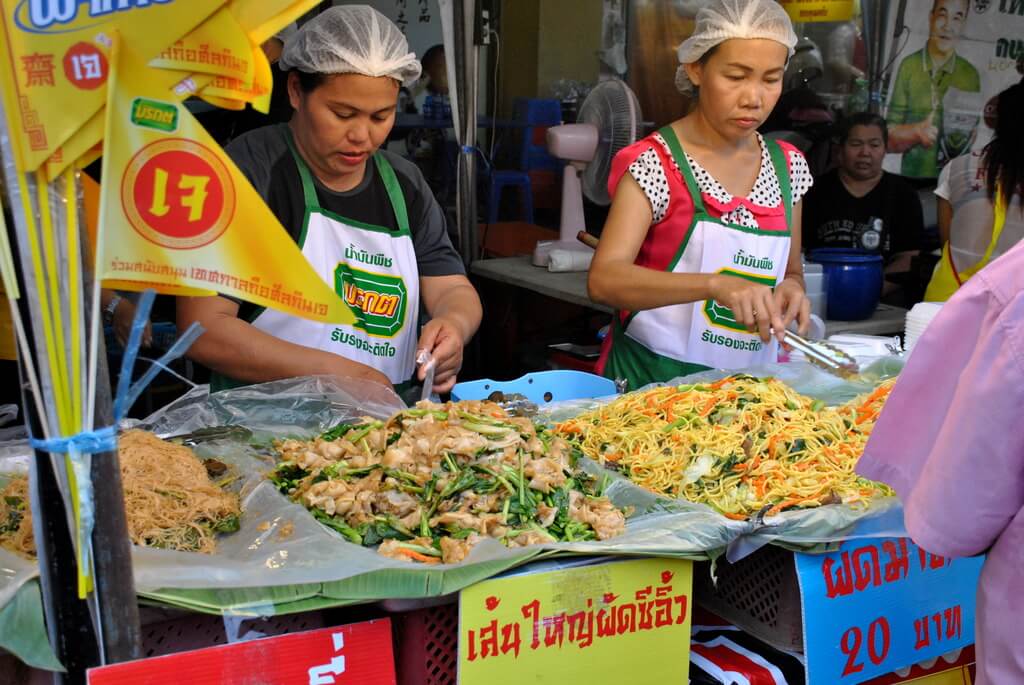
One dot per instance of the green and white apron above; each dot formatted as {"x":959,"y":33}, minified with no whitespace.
{"x":373,"y":268}
{"x":656,"y":345}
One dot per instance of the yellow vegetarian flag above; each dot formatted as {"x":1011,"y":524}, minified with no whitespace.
{"x":59,"y":59}
{"x":178,"y":215}
{"x":220,"y":60}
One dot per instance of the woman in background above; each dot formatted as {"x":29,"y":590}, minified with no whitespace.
{"x":981,"y":200}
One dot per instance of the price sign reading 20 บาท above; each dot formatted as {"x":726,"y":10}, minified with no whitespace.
{"x":876,"y":606}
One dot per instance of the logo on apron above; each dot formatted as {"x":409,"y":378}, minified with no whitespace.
{"x":378,"y":300}
{"x":723,"y":317}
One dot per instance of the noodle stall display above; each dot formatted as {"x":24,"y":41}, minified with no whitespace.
{"x":570,"y":530}
{"x":317,"y":495}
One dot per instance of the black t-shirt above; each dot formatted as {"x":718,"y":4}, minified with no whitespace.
{"x":832,"y":217}
{"x":266,"y":160}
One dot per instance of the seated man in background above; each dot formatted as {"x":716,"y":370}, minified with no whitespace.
{"x":857,"y":205}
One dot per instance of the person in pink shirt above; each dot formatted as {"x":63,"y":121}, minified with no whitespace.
{"x":951,"y":443}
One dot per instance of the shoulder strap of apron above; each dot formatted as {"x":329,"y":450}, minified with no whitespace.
{"x":778,"y":156}
{"x":676,"y":148}
{"x":999,"y":207}
{"x":308,"y":187}
{"x":387,"y":174}
{"x":384,"y":168}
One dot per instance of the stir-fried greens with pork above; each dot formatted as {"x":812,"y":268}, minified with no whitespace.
{"x":433,"y":481}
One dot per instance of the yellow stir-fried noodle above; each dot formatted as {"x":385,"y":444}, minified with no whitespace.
{"x":169,"y":499}
{"x":741,"y":445}
{"x":15,"y":521}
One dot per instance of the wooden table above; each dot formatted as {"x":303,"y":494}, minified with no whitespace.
{"x":572,"y":287}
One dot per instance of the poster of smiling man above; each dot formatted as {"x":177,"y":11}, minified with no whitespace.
{"x":951,"y":57}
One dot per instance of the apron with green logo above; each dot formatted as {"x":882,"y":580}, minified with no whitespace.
{"x":657,"y":345}
{"x":373,"y":268}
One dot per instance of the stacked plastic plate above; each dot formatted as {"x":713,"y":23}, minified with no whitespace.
{"x":917,"y":321}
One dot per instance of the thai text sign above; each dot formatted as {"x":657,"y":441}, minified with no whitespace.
{"x":602,"y":622}
{"x":356,"y":654}
{"x":878,"y":605}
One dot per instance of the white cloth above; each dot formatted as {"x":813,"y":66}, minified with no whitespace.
{"x":649,"y":173}
{"x":721,"y":20}
{"x":351,"y":39}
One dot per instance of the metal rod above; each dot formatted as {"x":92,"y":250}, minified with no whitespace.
{"x":120,"y":632}
{"x":68,"y":623}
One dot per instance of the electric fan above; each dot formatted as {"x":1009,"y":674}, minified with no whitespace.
{"x":609,"y":120}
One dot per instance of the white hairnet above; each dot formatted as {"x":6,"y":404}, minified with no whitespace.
{"x":724,"y":19}
{"x":351,"y":39}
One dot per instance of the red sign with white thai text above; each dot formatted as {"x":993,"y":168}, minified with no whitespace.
{"x":356,"y":654}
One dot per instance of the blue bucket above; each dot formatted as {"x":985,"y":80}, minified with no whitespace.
{"x":853,"y":282}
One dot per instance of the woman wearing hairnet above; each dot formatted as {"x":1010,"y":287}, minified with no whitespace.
{"x":705,"y":221}
{"x":365,"y":219}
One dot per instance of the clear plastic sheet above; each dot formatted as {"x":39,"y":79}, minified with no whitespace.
{"x":283,"y":560}
{"x":292,"y":407}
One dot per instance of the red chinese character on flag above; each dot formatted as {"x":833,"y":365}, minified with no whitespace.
{"x":38,"y":69}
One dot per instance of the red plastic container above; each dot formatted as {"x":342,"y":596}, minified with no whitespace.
{"x":426,"y":649}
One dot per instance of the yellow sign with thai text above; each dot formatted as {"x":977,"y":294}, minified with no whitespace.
{"x":56,"y":61}
{"x":808,"y":11}
{"x":176,"y":214}
{"x":218,"y":46}
{"x":612,"y":622}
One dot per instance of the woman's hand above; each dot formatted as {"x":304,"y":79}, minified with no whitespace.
{"x":443,"y":340}
{"x":753,"y":304}
{"x":791,"y":300}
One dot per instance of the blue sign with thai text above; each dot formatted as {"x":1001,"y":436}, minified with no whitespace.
{"x":877,"y":605}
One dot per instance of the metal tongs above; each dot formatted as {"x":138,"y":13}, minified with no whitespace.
{"x":823,"y":355}
{"x":514,"y":403}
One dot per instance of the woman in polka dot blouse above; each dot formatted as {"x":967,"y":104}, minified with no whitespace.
{"x":701,"y":250}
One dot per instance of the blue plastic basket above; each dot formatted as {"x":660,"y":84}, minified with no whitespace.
{"x":540,"y":387}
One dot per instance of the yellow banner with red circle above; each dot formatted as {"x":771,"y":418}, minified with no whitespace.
{"x":57,"y":60}
{"x":178,"y":215}
{"x":56,"y":64}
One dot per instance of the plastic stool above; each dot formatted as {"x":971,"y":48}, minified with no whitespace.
{"x":540,"y":387}
{"x":510,"y":178}
{"x":539,"y":114}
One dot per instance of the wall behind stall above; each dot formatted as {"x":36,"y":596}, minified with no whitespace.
{"x":656,"y":29}
{"x":543,"y":41}
{"x":420,"y":20}
{"x":569,"y":41}
{"x":519,"y":28}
